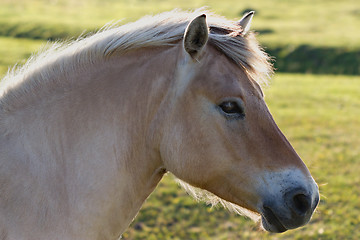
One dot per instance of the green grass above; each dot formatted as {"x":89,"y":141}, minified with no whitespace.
{"x":14,"y":50}
{"x":320,"y":116}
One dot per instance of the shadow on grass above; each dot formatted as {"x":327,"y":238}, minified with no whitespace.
{"x":318,"y":60}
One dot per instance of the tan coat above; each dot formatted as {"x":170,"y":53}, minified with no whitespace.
{"x":88,"y":130}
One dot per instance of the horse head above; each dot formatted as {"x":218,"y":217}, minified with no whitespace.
{"x":220,"y":136}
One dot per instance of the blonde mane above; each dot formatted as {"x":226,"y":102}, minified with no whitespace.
{"x":165,"y":29}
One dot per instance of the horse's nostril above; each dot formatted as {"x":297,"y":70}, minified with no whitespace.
{"x":302,"y":203}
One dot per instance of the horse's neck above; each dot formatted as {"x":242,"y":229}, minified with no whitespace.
{"x":92,"y":150}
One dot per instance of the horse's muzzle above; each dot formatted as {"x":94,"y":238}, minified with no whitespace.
{"x":293,"y":210}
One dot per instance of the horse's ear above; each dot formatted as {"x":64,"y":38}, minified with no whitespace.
{"x":196,"y":36}
{"x":245,"y":21}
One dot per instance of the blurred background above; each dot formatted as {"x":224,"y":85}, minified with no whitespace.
{"x":314,"y":97}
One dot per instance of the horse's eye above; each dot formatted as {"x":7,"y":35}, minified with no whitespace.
{"x":232,"y":109}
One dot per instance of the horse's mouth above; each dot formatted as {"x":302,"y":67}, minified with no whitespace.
{"x":270,"y":222}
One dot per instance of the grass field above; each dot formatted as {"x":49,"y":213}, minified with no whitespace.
{"x":320,"y":114}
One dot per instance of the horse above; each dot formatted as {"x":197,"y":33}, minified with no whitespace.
{"x":89,"y":127}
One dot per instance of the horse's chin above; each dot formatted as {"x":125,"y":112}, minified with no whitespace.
{"x":271,"y":223}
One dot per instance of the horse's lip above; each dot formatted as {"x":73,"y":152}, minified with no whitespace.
{"x":270,"y":222}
